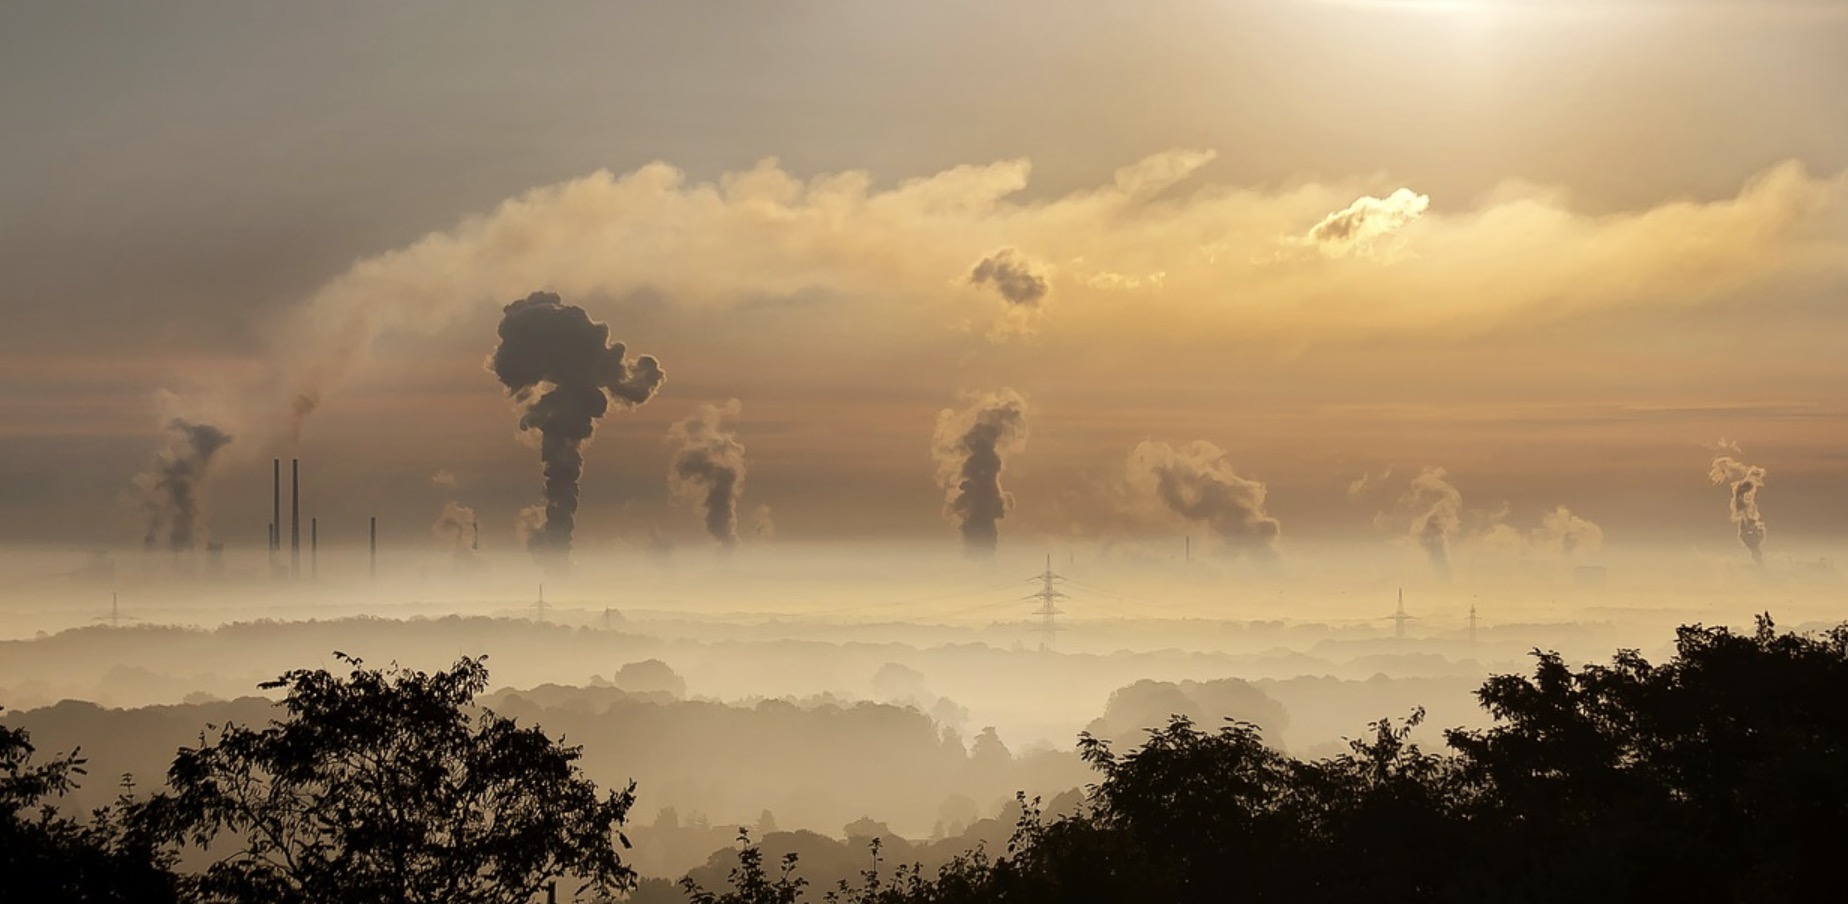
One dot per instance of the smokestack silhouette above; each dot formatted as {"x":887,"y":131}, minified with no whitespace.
{"x":171,"y":484}
{"x":709,"y":468}
{"x":969,"y":446}
{"x":1437,"y":509}
{"x":1744,"y":480}
{"x":1196,"y":481}
{"x":276,"y":506}
{"x":372,"y":534}
{"x":295,"y":518}
{"x":563,"y":372}
{"x":314,"y":548}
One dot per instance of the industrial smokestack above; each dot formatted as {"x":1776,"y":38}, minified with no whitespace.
{"x":276,"y":505}
{"x":709,"y":468}
{"x":563,"y":371}
{"x":314,"y":548}
{"x":969,"y":445}
{"x":372,"y":531}
{"x":1745,"y":481}
{"x":295,"y":518}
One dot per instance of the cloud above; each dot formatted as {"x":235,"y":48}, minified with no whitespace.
{"x":875,"y":257}
{"x":1012,"y":276}
{"x":1356,"y":228}
{"x":443,"y":477}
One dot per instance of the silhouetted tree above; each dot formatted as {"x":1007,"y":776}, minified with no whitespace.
{"x":1719,"y":776}
{"x":48,"y":856}
{"x":751,"y":883}
{"x":381,"y":787}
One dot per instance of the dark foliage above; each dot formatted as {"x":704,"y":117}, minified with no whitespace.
{"x":46,"y":856}
{"x":379,"y":786}
{"x":1721,"y":775}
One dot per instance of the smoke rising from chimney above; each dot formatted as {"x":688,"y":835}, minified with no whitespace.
{"x":1745,"y":481}
{"x":709,"y":467}
{"x":1568,"y":534}
{"x":563,"y":372}
{"x":970,"y":446}
{"x":171,"y":484}
{"x":456,"y":528}
{"x":1437,"y":509}
{"x":1197,"y":482}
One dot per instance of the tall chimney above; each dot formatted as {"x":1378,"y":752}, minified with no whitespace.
{"x":276,"y":504}
{"x":295,"y":518}
{"x":375,"y":546}
{"x":314,"y":548}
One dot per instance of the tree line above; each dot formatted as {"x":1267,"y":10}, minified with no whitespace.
{"x":1719,"y":775}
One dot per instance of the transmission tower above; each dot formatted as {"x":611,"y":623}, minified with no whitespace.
{"x":1472,"y":624}
{"x":1399,"y":618}
{"x":1048,"y":597}
{"x":115,"y":618}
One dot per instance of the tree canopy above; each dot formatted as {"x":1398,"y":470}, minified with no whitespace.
{"x":1720,"y":775}
{"x":380,"y":785}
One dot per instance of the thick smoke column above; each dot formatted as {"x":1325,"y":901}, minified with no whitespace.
{"x":1437,"y":509}
{"x":1745,"y":480}
{"x":969,"y":446}
{"x":709,"y":468}
{"x":1197,"y":482}
{"x":171,"y":483}
{"x":563,"y":372}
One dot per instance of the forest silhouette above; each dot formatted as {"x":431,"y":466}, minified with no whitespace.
{"x":1720,"y":774}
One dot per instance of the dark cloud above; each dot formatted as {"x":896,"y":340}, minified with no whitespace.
{"x":1012,"y":275}
{"x":1197,"y":482}
{"x":969,"y":445}
{"x":170,"y":485}
{"x":563,"y":371}
{"x":1745,"y":480}
{"x":709,"y":467}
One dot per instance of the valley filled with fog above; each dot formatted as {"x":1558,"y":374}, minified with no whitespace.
{"x":845,"y":688}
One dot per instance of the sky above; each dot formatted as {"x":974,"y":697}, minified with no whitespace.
{"x":1263,"y":271}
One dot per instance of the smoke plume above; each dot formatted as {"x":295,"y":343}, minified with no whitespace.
{"x":709,"y":468}
{"x":1568,"y":534}
{"x":563,"y":372}
{"x":969,"y":446}
{"x":1012,"y":275}
{"x":1745,"y":480}
{"x":1197,"y":482}
{"x":171,"y":484}
{"x":457,"y":527}
{"x":1437,"y":509}
{"x":763,"y":526}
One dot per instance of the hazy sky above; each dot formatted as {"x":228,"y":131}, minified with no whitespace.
{"x":1558,"y":249}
